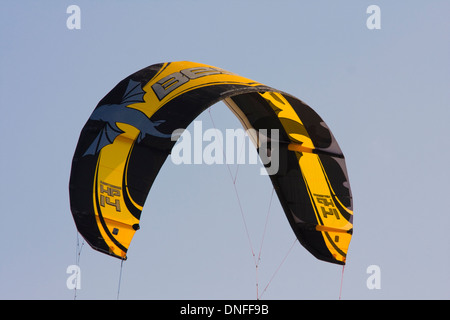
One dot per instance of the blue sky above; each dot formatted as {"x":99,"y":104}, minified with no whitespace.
{"x":384,"y":94}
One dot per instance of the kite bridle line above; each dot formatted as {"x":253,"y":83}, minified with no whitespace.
{"x":120,"y":278}
{"x":78,"y":249}
{"x":256,"y":259}
{"x":342,"y":281}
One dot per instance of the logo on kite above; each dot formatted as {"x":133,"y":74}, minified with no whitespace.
{"x":111,"y":114}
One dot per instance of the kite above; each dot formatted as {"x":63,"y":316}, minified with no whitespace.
{"x":128,"y":137}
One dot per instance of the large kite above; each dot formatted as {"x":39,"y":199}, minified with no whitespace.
{"x":128,"y":137}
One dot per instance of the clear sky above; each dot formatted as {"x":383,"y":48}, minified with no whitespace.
{"x":383,"y":92}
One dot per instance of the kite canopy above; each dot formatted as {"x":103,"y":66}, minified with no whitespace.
{"x":127,"y":138}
